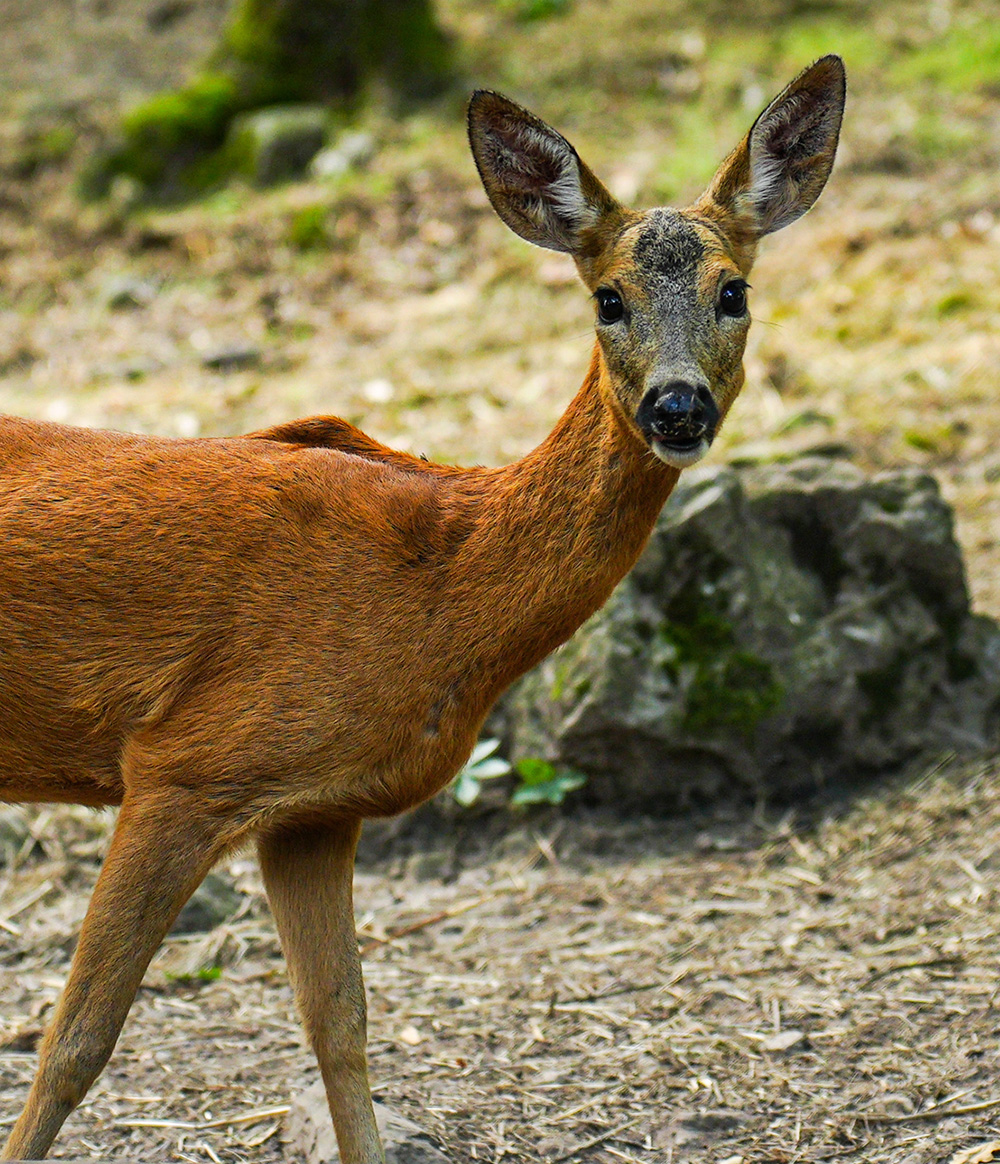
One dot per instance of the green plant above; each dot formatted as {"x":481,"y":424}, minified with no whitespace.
{"x":482,"y":765}
{"x":202,"y":974}
{"x":539,"y":782}
{"x":544,"y":783}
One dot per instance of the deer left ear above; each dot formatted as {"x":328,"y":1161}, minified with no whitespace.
{"x":534,"y":178}
{"x":780,"y":168}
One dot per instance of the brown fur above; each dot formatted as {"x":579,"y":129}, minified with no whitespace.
{"x":275,"y":636}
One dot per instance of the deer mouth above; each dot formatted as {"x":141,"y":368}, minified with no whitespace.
{"x":678,"y":421}
{"x":680,"y":454}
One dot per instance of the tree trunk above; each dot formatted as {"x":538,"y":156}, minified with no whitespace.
{"x":327,"y":50}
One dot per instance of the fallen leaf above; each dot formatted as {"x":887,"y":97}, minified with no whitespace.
{"x":978,"y":1154}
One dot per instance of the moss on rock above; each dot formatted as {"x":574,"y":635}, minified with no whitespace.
{"x":272,"y":52}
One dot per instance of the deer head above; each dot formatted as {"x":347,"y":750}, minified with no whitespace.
{"x":669,"y":286}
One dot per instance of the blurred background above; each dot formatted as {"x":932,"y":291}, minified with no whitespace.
{"x":377,"y":284}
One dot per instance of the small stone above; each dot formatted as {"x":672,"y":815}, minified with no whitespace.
{"x":123,"y":293}
{"x":378,"y":391}
{"x":277,"y":144}
{"x":309,"y":1132}
{"x":783,"y":1041}
{"x":351,"y":151}
{"x":187,"y":425}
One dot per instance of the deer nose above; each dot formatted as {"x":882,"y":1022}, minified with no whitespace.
{"x":678,"y":413}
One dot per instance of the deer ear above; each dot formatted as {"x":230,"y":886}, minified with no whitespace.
{"x":533,"y":176}
{"x":781,"y":166}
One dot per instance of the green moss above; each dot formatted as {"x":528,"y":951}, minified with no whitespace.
{"x":172,"y":142}
{"x":528,"y":10}
{"x":303,"y":52}
{"x":308,"y":228}
{"x":200,"y":112}
{"x":730,"y":689}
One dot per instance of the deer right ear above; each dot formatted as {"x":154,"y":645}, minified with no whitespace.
{"x":533,"y":176}
{"x":781,"y":166}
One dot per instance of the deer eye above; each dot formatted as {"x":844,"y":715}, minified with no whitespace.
{"x":610,"y":308}
{"x":733,"y":298}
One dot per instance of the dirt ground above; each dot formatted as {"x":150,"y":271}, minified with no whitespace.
{"x":722,"y":989}
{"x":715,"y":989}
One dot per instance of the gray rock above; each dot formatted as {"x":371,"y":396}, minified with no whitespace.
{"x":788,"y":627}
{"x":215,"y":901}
{"x":278,"y":143}
{"x":350,"y":151}
{"x":123,"y":293}
{"x":309,"y":1132}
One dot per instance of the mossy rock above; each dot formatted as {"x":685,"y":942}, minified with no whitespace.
{"x":789,"y":628}
{"x":271,"y":53}
{"x":276,"y":144}
{"x":171,"y":145}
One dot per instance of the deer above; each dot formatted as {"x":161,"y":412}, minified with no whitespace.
{"x":270,"y":638}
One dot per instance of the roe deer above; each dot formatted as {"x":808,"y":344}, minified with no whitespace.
{"x":278,"y":635}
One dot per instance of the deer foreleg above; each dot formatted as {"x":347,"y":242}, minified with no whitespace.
{"x":160,"y":851}
{"x":308,"y":872}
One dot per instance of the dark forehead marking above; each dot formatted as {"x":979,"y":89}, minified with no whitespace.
{"x":668,"y":244}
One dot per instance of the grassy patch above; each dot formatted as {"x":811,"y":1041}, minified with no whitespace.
{"x":964,"y":59}
{"x":955,"y":303}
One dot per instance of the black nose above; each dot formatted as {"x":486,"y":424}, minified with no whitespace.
{"x":678,"y":413}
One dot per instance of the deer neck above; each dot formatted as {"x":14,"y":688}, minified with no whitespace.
{"x":566,"y":523}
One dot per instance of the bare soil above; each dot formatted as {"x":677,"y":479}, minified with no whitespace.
{"x":715,"y":989}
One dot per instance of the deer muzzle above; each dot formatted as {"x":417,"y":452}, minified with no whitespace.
{"x":679,"y":421}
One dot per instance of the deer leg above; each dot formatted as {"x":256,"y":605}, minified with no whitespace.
{"x":161,"y":849}
{"x":308,"y":872}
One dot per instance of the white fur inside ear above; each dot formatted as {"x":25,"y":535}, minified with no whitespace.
{"x":561,"y":197}
{"x":767,"y":178}
{"x":770,"y":193}
{"x":566,"y":195}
